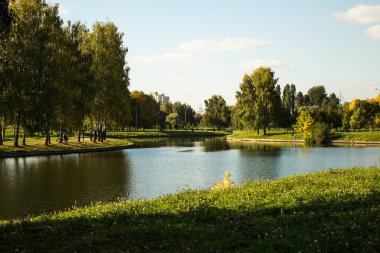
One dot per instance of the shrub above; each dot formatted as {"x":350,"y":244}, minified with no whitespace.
{"x":227,"y":183}
{"x":320,"y":133}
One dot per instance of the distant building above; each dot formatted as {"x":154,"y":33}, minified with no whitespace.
{"x":160,"y":98}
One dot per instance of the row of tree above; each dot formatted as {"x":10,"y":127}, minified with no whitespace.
{"x":261,"y":105}
{"x":56,"y":77}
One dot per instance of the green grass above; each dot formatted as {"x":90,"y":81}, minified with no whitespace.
{"x":166,"y":134}
{"x":38,"y":145}
{"x":356,"y":136}
{"x":282,"y":135}
{"x":245,"y":134}
{"x":332,"y":211}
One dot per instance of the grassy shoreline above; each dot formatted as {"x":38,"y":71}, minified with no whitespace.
{"x":333,"y":211}
{"x":36,"y":146}
{"x":339,"y":137}
{"x":167,"y":134}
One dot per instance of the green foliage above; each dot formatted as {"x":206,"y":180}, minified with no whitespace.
{"x":217,"y":114}
{"x":54,"y":77}
{"x":173,"y":120}
{"x":320,"y":133}
{"x":331,"y":211}
{"x":144,"y":110}
{"x":265,"y":84}
{"x":316,"y":95}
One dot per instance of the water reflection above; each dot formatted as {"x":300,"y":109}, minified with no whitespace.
{"x":35,"y":185}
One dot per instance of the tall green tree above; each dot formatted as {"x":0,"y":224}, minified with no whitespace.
{"x":246,"y":111}
{"x":316,"y":95}
{"x":265,"y":85}
{"x":110,"y":76}
{"x":33,"y":64}
{"x":217,"y":114}
{"x":145,"y":110}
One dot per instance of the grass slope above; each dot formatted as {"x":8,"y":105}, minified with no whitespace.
{"x":356,"y":136}
{"x":334,"y":136}
{"x":245,"y":134}
{"x":332,"y":211}
{"x":164,"y":134}
{"x":38,"y":145}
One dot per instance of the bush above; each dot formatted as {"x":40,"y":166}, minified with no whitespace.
{"x":320,"y":133}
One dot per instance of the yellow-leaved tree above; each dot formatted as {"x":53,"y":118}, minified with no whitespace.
{"x":304,"y":124}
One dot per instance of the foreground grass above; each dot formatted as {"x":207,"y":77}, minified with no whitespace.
{"x":333,"y":211}
{"x":167,"y":133}
{"x":356,"y":136}
{"x":271,"y":135}
{"x":38,"y":145}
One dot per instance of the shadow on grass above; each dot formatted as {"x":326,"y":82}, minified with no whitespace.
{"x":340,"y":225}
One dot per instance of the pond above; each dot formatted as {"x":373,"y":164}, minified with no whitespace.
{"x":44,"y":184}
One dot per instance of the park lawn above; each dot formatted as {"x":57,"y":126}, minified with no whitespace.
{"x":272,"y":135}
{"x":330,"y":211}
{"x":166,"y":133}
{"x":38,"y":145}
{"x":356,"y":136}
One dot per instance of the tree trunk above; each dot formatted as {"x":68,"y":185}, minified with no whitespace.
{"x":79,"y":135}
{"x":47,"y":137}
{"x":100,"y":134}
{"x":60,"y":135}
{"x":1,"y":134}
{"x":95,"y":133}
{"x":83,"y":135}
{"x":104,"y":132}
{"x":4,"y":131}
{"x":17,"y":131}
{"x":23,"y":137}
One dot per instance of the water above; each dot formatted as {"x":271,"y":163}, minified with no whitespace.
{"x":35,"y":185}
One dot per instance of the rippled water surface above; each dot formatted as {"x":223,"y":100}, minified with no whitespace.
{"x":34,"y":185}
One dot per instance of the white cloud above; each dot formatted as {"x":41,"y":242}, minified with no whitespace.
{"x":361,"y":14}
{"x":224,"y":45}
{"x":185,"y":51}
{"x":166,"y":57}
{"x":276,"y":65}
{"x":373,"y":31}
{"x":63,"y":11}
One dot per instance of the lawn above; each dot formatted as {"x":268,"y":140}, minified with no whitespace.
{"x":282,"y":135}
{"x":166,"y":134}
{"x":331,"y":211}
{"x":356,"y":136}
{"x":37,"y":144}
{"x":246,"y":134}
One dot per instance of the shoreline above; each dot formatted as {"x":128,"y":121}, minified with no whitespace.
{"x":266,"y":140}
{"x":64,"y":152}
{"x":303,"y":141}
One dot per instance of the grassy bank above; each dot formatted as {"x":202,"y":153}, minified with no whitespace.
{"x":282,"y":135}
{"x":271,"y":135}
{"x":167,"y":134}
{"x":37,"y":145}
{"x":333,"y":211}
{"x":356,"y":136}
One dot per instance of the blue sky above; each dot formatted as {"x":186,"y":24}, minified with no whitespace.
{"x":192,"y":49}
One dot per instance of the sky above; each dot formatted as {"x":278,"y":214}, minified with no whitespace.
{"x":193,"y":49}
